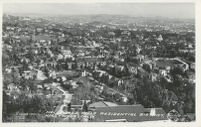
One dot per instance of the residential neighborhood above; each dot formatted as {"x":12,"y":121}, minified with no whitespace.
{"x":97,"y":68}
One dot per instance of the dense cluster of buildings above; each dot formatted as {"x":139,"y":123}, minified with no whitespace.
{"x":92,"y":68}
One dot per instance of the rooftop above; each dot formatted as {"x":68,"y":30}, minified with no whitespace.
{"x":103,"y":104}
{"x":132,"y":113}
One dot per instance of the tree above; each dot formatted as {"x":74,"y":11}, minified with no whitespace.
{"x":69,"y":107}
{"x":147,"y":67}
{"x":85,"y":107}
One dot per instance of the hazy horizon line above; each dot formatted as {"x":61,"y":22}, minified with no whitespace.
{"x":58,"y":15}
{"x":169,"y":10}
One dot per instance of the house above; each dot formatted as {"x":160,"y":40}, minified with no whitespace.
{"x":73,"y":84}
{"x":66,"y":52}
{"x":163,"y":72}
{"x":11,"y":86}
{"x":39,"y":29}
{"x":153,"y":76}
{"x":40,"y":75}
{"x":120,"y":82}
{"x":84,"y":73}
{"x":168,"y":68}
{"x":80,"y":65}
{"x":192,"y":66}
{"x":191,"y":76}
{"x":160,"y":38}
{"x":128,"y":33}
{"x":70,"y":64}
{"x":52,"y":74}
{"x":60,"y":56}
{"x":140,"y":57}
{"x":8,"y":70}
{"x":99,"y":88}
{"x":130,"y":85}
{"x":132,"y":69}
{"x":39,"y":86}
{"x":29,"y":74}
{"x":124,"y":99}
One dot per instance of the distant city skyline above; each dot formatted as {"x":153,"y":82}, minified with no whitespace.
{"x":169,"y":10}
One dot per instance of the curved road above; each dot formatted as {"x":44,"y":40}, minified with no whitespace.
{"x":67,"y":99}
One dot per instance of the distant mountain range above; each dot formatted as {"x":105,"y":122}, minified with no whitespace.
{"x":105,"y":18}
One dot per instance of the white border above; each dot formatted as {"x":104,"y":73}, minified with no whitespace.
{"x":197,"y":123}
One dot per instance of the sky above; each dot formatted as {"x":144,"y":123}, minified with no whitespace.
{"x":170,"y":10}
